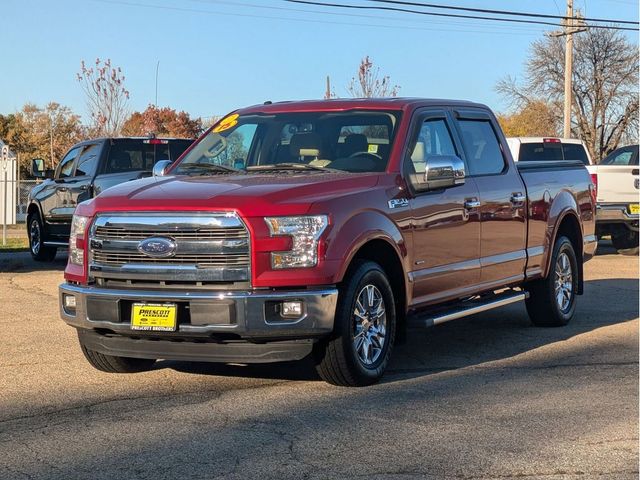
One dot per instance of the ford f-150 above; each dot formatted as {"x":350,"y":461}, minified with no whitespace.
{"x":325,"y":228}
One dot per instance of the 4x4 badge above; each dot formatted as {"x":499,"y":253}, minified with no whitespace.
{"x":398,"y":203}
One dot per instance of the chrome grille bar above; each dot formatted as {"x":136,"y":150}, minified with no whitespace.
{"x":208,"y":247}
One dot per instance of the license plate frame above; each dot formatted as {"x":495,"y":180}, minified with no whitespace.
{"x":634,"y":208}
{"x":154,"y":317}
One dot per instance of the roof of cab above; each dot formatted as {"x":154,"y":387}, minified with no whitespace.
{"x":341,"y":104}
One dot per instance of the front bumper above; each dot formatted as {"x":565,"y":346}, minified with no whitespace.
{"x":607,"y":213}
{"x":236,"y":326}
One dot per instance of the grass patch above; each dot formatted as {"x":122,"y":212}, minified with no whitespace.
{"x":15,"y":245}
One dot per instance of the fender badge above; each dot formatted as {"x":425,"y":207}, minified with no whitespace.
{"x":398,"y":203}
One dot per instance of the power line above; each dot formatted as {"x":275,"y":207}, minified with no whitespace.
{"x":303,"y":20}
{"x":448,"y":15}
{"x":501,"y":12}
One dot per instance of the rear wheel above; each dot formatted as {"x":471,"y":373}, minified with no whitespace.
{"x":364,"y":331}
{"x":626,"y":242}
{"x":112,"y":364}
{"x":39,"y":252}
{"x":552,"y":300}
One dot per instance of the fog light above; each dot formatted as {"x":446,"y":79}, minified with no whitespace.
{"x":291,"y":309}
{"x":69,"y":301}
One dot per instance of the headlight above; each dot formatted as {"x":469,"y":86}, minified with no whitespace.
{"x":76,"y":239}
{"x":304,"y":232}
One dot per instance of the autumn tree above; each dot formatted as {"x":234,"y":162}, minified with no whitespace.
{"x":107,"y":97}
{"x":604,"y":84}
{"x":533,"y":119}
{"x":369,"y":83}
{"x":162,"y":122}
{"x":36,"y":132}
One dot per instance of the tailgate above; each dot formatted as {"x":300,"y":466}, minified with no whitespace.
{"x":617,"y":183}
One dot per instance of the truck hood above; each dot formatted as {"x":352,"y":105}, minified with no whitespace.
{"x":251,"y":194}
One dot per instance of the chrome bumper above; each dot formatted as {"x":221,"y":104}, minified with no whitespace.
{"x":615,"y":213}
{"x":247,"y":314}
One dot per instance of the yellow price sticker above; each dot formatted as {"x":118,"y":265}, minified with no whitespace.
{"x":373,"y":149}
{"x":226,"y":123}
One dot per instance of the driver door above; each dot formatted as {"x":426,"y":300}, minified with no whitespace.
{"x":445,"y":222}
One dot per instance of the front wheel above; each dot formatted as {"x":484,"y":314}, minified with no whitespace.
{"x":39,"y":252}
{"x":552,"y":300}
{"x":364,"y":330}
{"x":113,"y":364}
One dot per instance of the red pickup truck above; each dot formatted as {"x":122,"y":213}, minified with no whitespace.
{"x":325,"y":228}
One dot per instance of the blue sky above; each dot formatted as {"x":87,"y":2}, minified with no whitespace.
{"x":219,"y":55}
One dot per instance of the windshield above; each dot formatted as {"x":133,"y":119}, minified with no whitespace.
{"x":354,"y":141}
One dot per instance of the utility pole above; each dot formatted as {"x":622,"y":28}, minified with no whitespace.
{"x":327,"y":94}
{"x":570,"y":26}
{"x":157,"y":68}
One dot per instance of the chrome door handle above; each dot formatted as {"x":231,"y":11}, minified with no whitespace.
{"x":471,"y":203}
{"x":518,"y":197}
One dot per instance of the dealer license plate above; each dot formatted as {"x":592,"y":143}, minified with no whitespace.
{"x":154,"y":317}
{"x":634,"y":208}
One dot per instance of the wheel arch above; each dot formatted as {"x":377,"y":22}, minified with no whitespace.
{"x":568,"y":226}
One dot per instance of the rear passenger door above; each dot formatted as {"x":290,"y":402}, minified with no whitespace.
{"x":502,"y":194}
{"x":445,"y":222}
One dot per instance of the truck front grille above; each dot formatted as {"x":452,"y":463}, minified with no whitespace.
{"x":207,"y":248}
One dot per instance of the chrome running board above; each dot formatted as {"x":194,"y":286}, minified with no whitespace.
{"x":431,"y":318}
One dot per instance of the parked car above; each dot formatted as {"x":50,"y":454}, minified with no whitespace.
{"x":87,"y":169}
{"x":323,"y":228}
{"x":535,"y":149}
{"x":617,"y":180}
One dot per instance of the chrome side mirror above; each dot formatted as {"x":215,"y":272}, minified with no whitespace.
{"x":160,"y":167}
{"x":443,"y":171}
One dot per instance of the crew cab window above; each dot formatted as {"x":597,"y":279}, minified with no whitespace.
{"x":88,"y":161}
{"x":434,"y":138}
{"x":482,"y":148}
{"x":65,"y":168}
{"x":622,"y":156}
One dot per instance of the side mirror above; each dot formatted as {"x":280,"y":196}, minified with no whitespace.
{"x":441,"y":171}
{"x":38,"y":169}
{"x":160,"y":167}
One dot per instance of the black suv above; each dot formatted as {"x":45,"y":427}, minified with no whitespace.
{"x":87,"y":169}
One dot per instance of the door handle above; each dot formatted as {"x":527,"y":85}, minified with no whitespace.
{"x":471,"y":203}
{"x":518,"y":198}
{"x":63,"y":189}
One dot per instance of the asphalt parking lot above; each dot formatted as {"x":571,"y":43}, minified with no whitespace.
{"x":484,"y":397}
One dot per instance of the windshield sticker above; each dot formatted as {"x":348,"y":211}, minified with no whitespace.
{"x":226,"y":123}
{"x":373,"y":149}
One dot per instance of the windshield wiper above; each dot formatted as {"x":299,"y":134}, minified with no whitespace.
{"x":290,"y":166}
{"x":209,"y":167}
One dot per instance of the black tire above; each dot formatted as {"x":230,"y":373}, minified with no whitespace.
{"x":626,"y":243}
{"x":112,"y":364}
{"x":546,"y":298}
{"x":338,"y":360}
{"x":35,"y":231}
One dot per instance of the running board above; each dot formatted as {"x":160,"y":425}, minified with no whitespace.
{"x":55,"y":244}
{"x":429,"y":319}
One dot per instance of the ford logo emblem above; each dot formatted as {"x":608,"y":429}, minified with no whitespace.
{"x":158,"y":247}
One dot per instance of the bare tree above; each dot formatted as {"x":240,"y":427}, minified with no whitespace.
{"x":107,"y":97}
{"x":370,"y":84}
{"x":605,"y":86}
